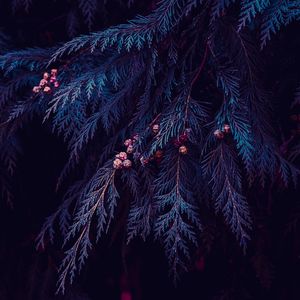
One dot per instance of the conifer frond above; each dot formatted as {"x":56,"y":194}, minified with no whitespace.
{"x":178,"y":219}
{"x":141,"y":213}
{"x":280,"y":13}
{"x":137,"y":34}
{"x":97,"y":202}
{"x":88,"y":8}
{"x":233,"y":112}
{"x":184,"y":113}
{"x":225,"y":176}
{"x":249,"y":10}
{"x":147,"y":84}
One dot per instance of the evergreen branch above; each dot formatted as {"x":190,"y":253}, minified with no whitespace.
{"x":97,"y":200}
{"x":88,"y":8}
{"x":178,"y":217}
{"x":281,"y":13}
{"x":233,"y":111}
{"x":140,"y":217}
{"x":222,"y":168}
{"x":249,"y":10}
{"x":138,"y":33}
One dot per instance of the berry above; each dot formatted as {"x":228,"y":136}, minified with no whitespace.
{"x":122,"y":155}
{"x":158,"y":154}
{"x":52,"y":79}
{"x":183,"y":138}
{"x":54,"y":72}
{"x":183,"y":150}
{"x":135,"y":137}
{"x":128,"y":142}
{"x":144,"y":161}
{"x":226,"y":128}
{"x":127,"y":163}
{"x":36,"y":89}
{"x":117,"y":164}
{"x":56,"y":84}
{"x":219,"y":134}
{"x":47,"y":89}
{"x":130,"y":149}
{"x":155,"y":128}
{"x":46,"y":76}
{"x":43,"y":82}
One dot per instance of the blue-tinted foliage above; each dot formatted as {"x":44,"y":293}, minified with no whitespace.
{"x":222,"y":168}
{"x":280,"y":13}
{"x":96,"y":203}
{"x":173,"y":69}
{"x":249,"y":10}
{"x":177,"y":218}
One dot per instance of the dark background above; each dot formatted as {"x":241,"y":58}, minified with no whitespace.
{"x":269,"y":270}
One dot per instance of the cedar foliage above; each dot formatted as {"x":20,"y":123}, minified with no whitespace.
{"x":188,"y":65}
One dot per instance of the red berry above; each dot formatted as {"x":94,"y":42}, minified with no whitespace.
{"x":158,"y":154}
{"x":144,"y":161}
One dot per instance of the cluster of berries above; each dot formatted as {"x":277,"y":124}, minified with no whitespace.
{"x":220,"y":134}
{"x":121,"y":159}
{"x":47,"y":83}
{"x":180,"y":142}
{"x":158,"y":155}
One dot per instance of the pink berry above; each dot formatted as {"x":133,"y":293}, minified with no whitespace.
{"x":43,"y":82}
{"x":226,"y":128}
{"x":135,"y":137}
{"x":183,"y":150}
{"x":219,"y":134}
{"x":36,"y":89}
{"x":54,"y":72}
{"x":117,"y":164}
{"x":122,"y":155}
{"x":46,"y":76}
{"x":128,"y":142}
{"x":130,"y":149}
{"x":52,"y":79}
{"x":47,"y":89}
{"x":127,"y":163}
{"x":155,"y":128}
